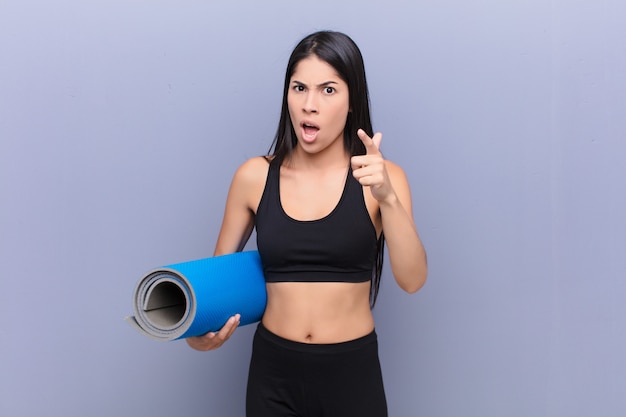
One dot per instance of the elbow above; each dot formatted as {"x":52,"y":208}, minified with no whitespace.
{"x":411,"y":278}
{"x":413,"y":288}
{"x":415,"y":283}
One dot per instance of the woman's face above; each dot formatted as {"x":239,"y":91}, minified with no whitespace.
{"x":318,"y":102}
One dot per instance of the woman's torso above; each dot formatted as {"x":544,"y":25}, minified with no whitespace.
{"x":324,"y":227}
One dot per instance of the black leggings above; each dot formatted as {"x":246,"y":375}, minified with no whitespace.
{"x":292,"y":379}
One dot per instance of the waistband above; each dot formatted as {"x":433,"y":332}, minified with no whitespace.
{"x":321,"y":348}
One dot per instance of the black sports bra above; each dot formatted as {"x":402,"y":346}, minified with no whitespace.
{"x":340,"y":247}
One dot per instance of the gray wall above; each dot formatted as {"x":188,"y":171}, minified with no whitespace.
{"x":122,"y":122}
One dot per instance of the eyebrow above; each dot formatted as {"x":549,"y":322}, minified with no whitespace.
{"x":324,"y":84}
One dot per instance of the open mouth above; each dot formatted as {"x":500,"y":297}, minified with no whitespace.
{"x":309,"y":131}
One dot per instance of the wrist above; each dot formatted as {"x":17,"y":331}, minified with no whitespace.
{"x":390,"y":201}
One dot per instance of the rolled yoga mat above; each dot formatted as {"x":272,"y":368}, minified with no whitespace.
{"x":195,"y":297}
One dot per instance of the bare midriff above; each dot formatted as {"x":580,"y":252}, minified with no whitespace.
{"x":318,"y":312}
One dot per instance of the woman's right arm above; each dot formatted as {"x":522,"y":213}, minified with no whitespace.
{"x":243,"y":198}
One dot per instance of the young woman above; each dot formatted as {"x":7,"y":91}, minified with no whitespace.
{"x":320,"y":204}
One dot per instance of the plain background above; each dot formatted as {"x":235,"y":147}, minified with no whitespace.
{"x":122,"y":122}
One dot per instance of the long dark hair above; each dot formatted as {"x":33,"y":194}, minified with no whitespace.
{"x":341,"y":53}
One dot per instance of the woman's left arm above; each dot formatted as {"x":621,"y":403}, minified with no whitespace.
{"x":406,"y":252}
{"x":389,"y":185}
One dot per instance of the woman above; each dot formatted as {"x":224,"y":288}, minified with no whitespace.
{"x":320,"y":204}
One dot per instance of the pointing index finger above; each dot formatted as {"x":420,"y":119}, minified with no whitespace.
{"x":372,"y":145}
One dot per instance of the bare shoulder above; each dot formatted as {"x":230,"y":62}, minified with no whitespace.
{"x":243,"y":199}
{"x":249,"y":182}
{"x":396,"y":173}
{"x":400,"y":184}
{"x":252,"y":172}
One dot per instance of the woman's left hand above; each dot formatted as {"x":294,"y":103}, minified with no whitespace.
{"x":370,"y":169}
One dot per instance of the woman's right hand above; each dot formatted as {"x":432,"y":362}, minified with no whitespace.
{"x":213,"y":340}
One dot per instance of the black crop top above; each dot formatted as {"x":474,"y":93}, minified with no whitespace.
{"x":340,"y":247}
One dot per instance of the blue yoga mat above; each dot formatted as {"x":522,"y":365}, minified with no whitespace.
{"x":195,"y":297}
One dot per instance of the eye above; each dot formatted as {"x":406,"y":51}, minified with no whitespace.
{"x":298,"y":88}
{"x":329,"y":90}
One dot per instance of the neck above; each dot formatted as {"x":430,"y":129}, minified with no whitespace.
{"x":331,"y":157}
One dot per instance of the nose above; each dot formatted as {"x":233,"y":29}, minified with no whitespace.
{"x":310,"y":103}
